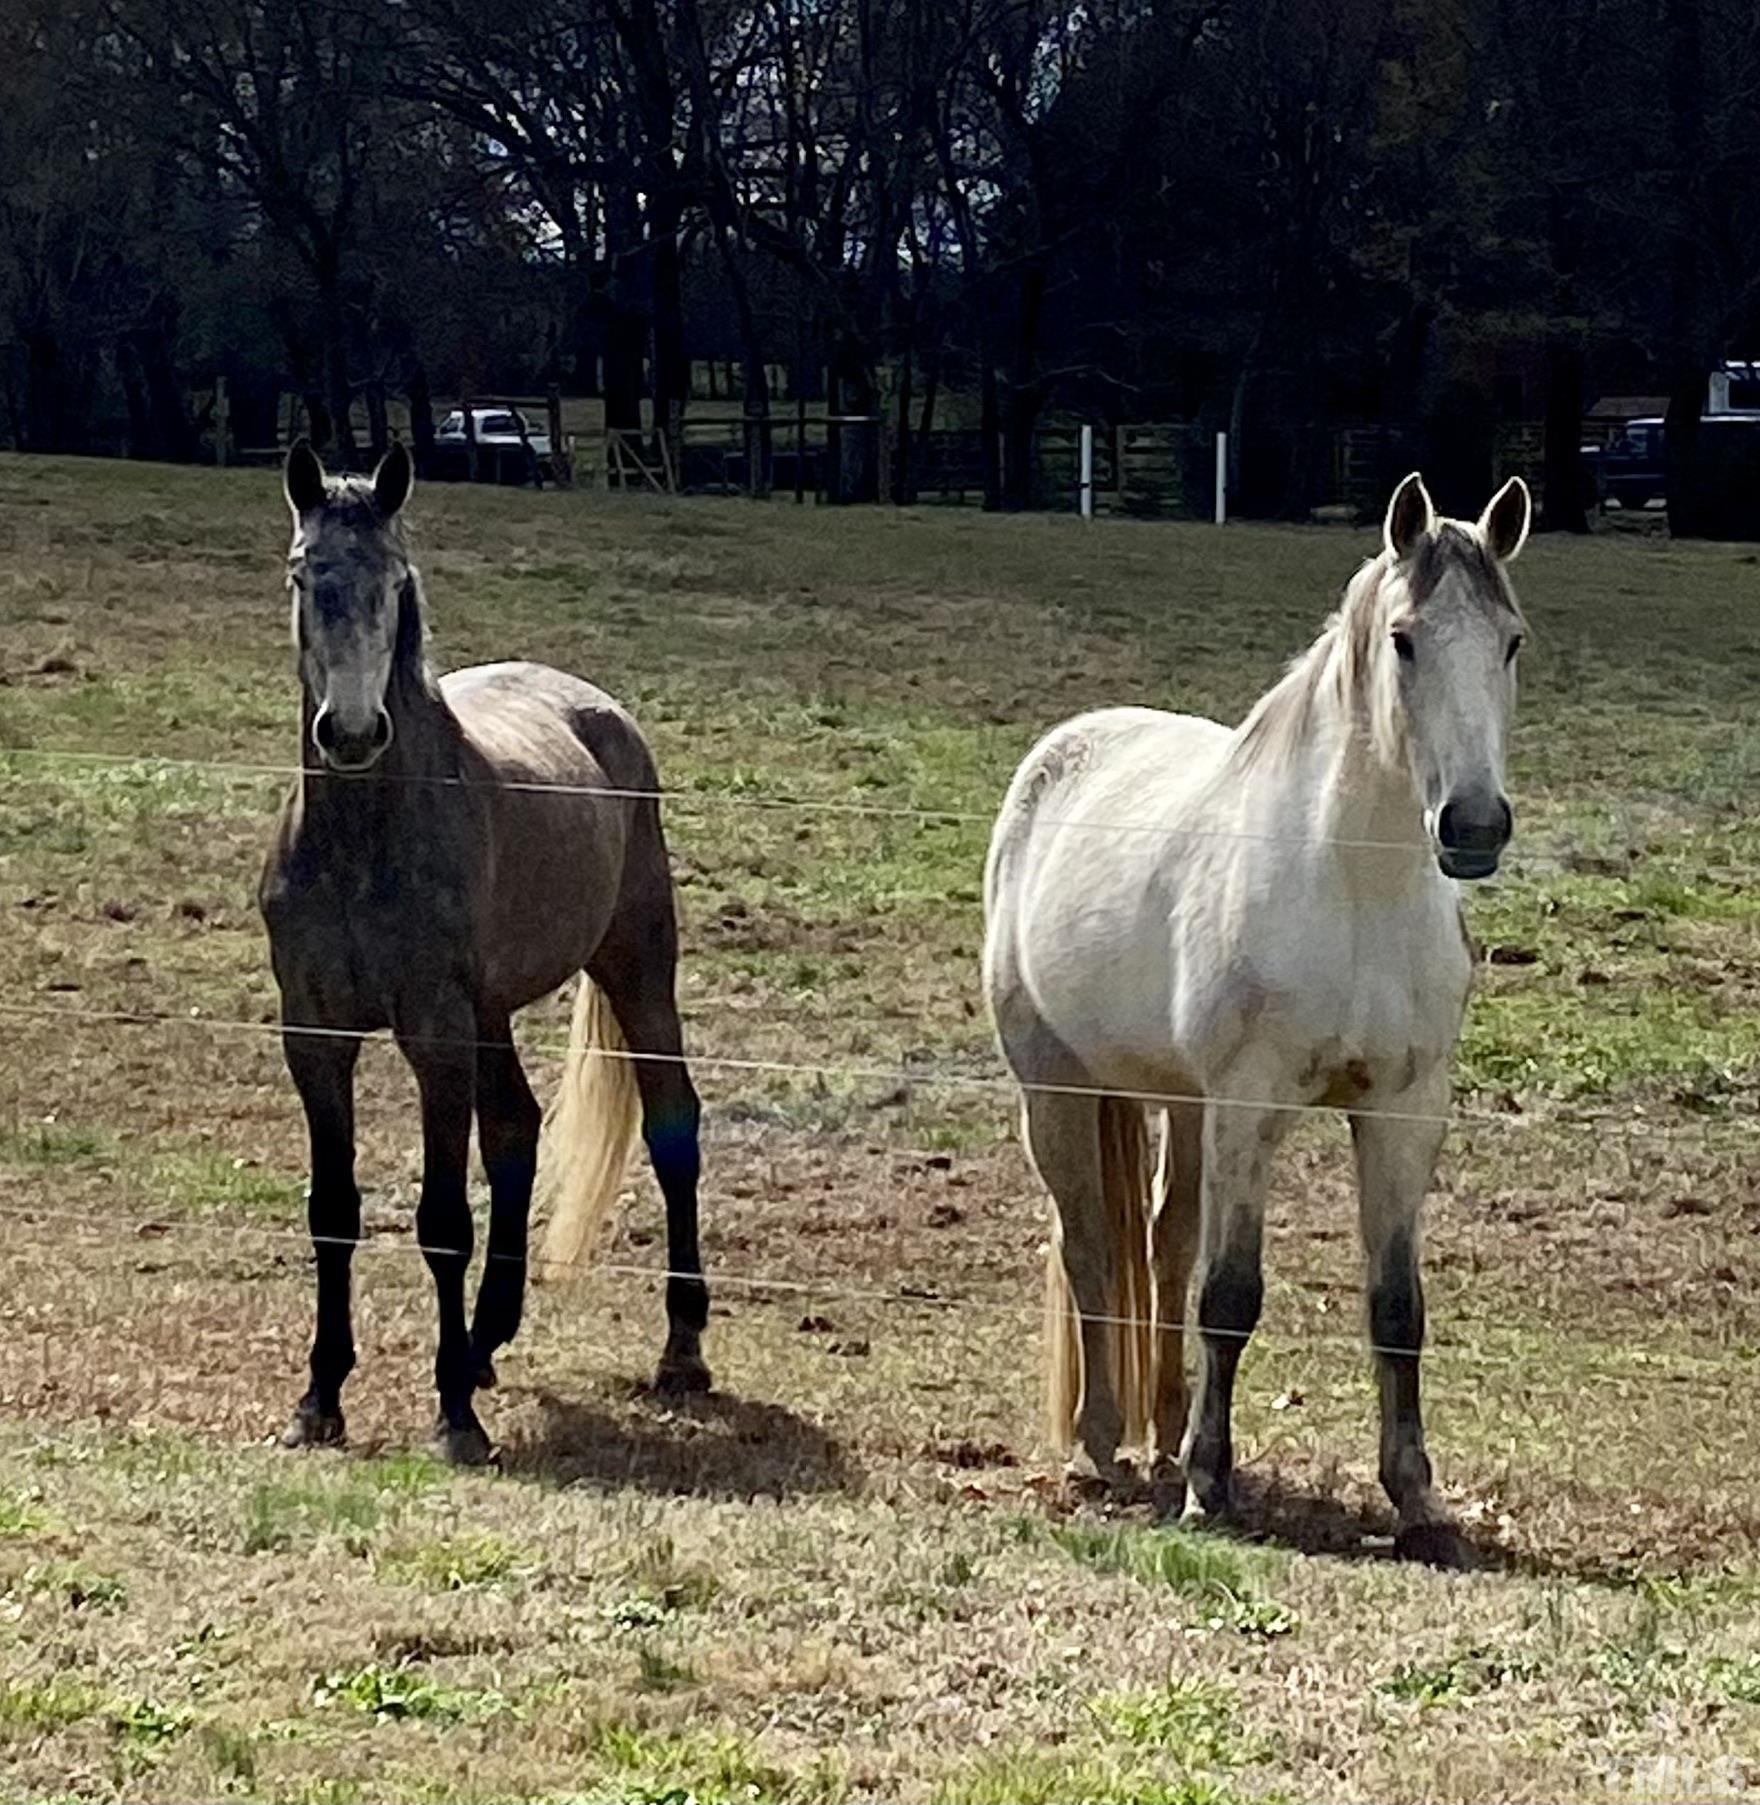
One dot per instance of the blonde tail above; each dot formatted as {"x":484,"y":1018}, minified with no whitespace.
{"x":1126,"y":1200}
{"x":588,"y":1132}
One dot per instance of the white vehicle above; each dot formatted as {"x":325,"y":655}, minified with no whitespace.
{"x":495,"y":428}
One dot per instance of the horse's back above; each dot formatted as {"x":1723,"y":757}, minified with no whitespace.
{"x":1077,"y":882}
{"x":538,"y":724}
{"x":573,"y":824}
{"x":1113,"y":775}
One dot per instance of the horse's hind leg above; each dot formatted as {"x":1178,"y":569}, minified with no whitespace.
{"x":1395,"y":1162}
{"x":639,"y":983}
{"x":508,"y":1119}
{"x":1238,"y":1142}
{"x":323,"y":1073}
{"x":1062,"y":1133}
{"x":1174,"y":1245}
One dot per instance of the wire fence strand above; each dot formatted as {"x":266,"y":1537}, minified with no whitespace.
{"x":1665,"y":1366}
{"x":905,"y":1074}
{"x":696,"y":799}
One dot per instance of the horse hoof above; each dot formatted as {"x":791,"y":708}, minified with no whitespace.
{"x":682,"y":1374}
{"x":464,"y":1445}
{"x":485,"y":1380}
{"x":1433,"y":1545}
{"x":1208,"y":1502}
{"x":313,"y":1429}
{"x":1113,"y":1482}
{"x":1167,"y":1491}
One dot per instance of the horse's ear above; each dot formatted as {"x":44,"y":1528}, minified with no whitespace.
{"x":1411,"y":518}
{"x":302,"y":479}
{"x":1505,"y":520}
{"x":393,"y":480}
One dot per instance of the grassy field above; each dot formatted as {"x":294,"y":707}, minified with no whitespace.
{"x":853,"y":1570}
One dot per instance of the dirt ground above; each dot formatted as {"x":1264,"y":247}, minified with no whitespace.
{"x":854,"y":1569}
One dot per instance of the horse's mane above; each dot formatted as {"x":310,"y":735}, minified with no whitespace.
{"x":1328,"y":678}
{"x":1343,"y":673}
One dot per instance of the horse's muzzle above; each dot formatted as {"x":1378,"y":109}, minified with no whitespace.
{"x":1471,"y":832}
{"x":343,"y":750}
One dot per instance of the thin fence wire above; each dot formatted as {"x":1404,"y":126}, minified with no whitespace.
{"x":1661,"y":1366}
{"x":903,"y":1074}
{"x":1666,"y":1366}
{"x":855,"y":808}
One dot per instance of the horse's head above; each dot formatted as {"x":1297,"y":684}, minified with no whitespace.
{"x":349,"y":571}
{"x":1453,"y":630}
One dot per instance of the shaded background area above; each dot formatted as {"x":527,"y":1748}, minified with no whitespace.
{"x":914,"y":241}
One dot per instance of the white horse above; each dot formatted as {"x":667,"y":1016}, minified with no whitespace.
{"x":1277,"y":927}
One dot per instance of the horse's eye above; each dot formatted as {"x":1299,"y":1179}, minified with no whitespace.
{"x":1515,"y":645}
{"x":1402,"y":644}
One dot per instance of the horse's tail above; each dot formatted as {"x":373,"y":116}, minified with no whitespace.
{"x":588,"y":1132}
{"x":1125,"y":1204}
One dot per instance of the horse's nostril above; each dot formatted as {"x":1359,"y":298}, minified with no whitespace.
{"x":324,"y":731}
{"x":381,"y":731}
{"x":1479,"y":826}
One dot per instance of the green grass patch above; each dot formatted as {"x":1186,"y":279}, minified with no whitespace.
{"x":207,"y":1181}
{"x":79,"y":1587}
{"x":282,"y":1514}
{"x":1218,"y":1576}
{"x":1044,"y":1777}
{"x":393,"y":1693}
{"x":145,"y":1722}
{"x":1192,"y":1718}
{"x":652,"y":1767}
{"x":49,"y":1145}
{"x":41,"y":1707}
{"x":24,"y":1514}
{"x":453,"y":1564}
{"x":1457,"y":1680}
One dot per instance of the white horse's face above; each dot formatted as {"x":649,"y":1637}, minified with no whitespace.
{"x":347,"y":570}
{"x":1454,"y":632}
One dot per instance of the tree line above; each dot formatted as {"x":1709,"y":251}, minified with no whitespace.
{"x":1265,"y":216}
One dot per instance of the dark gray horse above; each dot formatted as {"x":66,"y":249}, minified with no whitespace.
{"x":445,"y":862}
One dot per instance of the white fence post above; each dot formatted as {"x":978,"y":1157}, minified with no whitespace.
{"x":1221,"y":478}
{"x":1087,"y":473}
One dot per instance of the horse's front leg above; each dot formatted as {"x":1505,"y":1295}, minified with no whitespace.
{"x":323,"y":1073}
{"x":443,"y":1055}
{"x":1396,"y":1159}
{"x":1239,"y":1140}
{"x":508,"y":1120}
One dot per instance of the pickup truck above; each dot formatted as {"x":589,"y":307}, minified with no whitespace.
{"x":1633,"y":469}
{"x":501,"y":450}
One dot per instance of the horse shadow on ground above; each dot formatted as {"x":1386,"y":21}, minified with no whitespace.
{"x":1269,"y":1507}
{"x":712,"y":1444}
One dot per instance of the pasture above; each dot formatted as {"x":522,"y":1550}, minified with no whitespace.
{"x":853,"y":1570}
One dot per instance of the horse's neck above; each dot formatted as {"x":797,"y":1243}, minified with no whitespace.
{"x":1361,"y":801}
{"x":416,"y":770}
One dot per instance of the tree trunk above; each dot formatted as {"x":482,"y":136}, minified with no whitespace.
{"x":172,"y":429}
{"x":134,"y":395}
{"x":1026,"y":394}
{"x":45,"y":408}
{"x":1684,"y":64}
{"x":378,"y":426}
{"x":333,"y":326}
{"x":626,"y":343}
{"x":672,"y":371}
{"x":989,"y":430}
{"x":758,"y":436}
{"x":903,"y":478}
{"x":421,"y":415}
{"x":1688,"y":515}
{"x":1562,"y":505}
